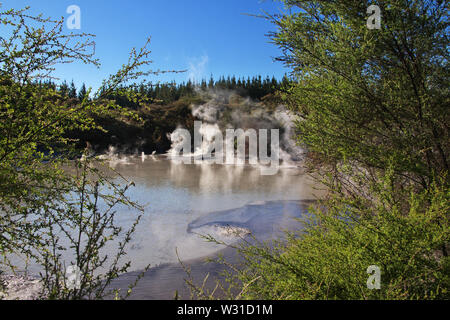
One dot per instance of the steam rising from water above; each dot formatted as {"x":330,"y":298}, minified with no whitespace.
{"x":207,"y":131}
{"x":113,"y":157}
{"x":227,"y":110}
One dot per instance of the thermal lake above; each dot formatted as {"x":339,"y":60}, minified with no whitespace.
{"x":182,"y":201}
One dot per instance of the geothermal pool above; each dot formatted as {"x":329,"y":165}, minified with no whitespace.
{"x":182,"y":201}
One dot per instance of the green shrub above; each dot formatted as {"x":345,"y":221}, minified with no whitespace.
{"x":373,"y":109}
{"x":330,"y":257}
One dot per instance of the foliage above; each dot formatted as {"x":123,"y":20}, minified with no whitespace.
{"x":37,"y":194}
{"x":373,"y":107}
{"x":371,"y":96}
{"x":328,"y":259}
{"x":169,"y":93}
{"x":83,"y":226}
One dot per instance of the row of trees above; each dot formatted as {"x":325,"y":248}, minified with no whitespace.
{"x":71,"y":91}
{"x":255,"y":87}
{"x":64,"y":89}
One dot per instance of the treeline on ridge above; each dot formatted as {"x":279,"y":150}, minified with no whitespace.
{"x":162,"y":107}
{"x":255,"y":87}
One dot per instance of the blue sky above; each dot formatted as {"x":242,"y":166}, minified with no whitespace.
{"x":203,"y":36}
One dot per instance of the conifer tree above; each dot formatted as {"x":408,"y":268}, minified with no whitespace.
{"x":82,"y":92}
{"x":72,"y":91}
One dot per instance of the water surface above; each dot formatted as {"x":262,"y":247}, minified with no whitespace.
{"x":184,"y":200}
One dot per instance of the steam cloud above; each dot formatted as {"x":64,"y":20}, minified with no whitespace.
{"x":225,"y":109}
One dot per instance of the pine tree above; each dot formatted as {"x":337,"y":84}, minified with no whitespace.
{"x":64,"y":89}
{"x":82,"y":93}
{"x":72,"y":91}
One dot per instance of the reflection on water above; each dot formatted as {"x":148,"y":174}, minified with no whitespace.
{"x":177,"y":195}
{"x":266,"y":220}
